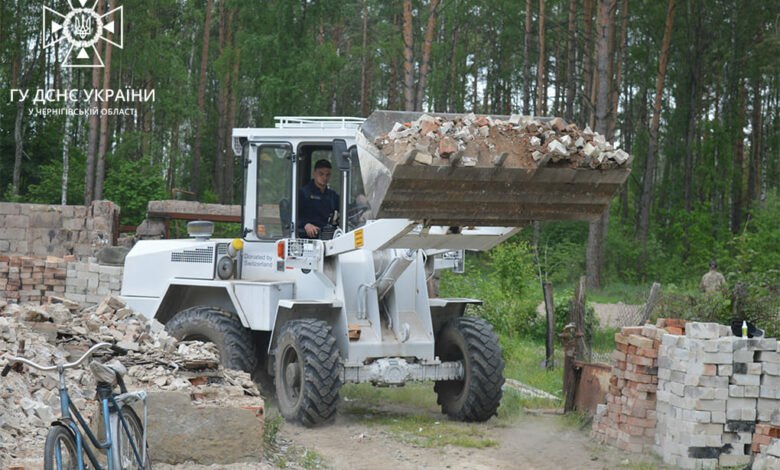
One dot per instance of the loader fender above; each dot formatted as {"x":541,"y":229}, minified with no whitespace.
{"x":328,"y":311}
{"x":181,"y":296}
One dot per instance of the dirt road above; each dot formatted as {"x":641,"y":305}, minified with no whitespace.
{"x":368,"y":435}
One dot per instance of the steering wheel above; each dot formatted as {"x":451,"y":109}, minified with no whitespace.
{"x":356,"y":211}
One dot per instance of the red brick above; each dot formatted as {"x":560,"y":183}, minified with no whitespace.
{"x":648,"y":352}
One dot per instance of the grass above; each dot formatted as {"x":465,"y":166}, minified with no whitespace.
{"x":422,"y":430}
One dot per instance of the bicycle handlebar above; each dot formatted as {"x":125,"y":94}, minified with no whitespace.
{"x":67,"y":365}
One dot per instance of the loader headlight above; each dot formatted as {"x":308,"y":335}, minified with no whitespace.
{"x":225,"y":267}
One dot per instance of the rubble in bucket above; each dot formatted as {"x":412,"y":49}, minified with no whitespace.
{"x":59,"y":332}
{"x":520,"y":142}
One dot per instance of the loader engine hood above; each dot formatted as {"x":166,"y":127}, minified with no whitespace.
{"x":152,"y":264}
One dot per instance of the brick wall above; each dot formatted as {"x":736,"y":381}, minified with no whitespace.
{"x":26,"y":279}
{"x":39,"y":230}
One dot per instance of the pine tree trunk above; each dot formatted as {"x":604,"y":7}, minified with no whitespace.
{"x":526,"y":60}
{"x":219,"y":160}
{"x":392,"y":91}
{"x":587,"y":73}
{"x":754,"y":170}
{"x":229,"y":159}
{"x":540,"y":104}
{"x":737,"y":189}
{"x":475,"y":71}
{"x":363,"y":64}
{"x":597,"y":229}
{"x":571,"y":76}
{"x":694,"y":77}
{"x":449,"y":95}
{"x":649,"y":180}
{"x":201,"y":102}
{"x":18,"y":143}
{"x":426,"y":58}
{"x":66,"y":140}
{"x":618,"y":72}
{"x":408,"y":58}
{"x":100,"y":171}
{"x":94,"y":124}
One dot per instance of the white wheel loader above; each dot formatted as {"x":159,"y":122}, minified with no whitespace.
{"x":307,"y":315}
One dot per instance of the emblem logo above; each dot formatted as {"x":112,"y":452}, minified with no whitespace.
{"x":82,"y":28}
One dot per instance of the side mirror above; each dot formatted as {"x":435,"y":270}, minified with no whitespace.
{"x":341,"y":155}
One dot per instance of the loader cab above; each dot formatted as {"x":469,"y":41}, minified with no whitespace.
{"x":279,"y":161}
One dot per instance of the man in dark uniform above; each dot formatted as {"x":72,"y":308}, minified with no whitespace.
{"x":317,"y":204}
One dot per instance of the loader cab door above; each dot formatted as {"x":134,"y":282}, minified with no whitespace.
{"x":269,"y":194}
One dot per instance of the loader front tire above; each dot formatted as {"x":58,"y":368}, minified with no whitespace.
{"x":308,"y":372}
{"x":477,"y":396}
{"x":224,"y":329}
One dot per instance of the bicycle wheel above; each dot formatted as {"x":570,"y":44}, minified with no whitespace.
{"x":122,"y":450}
{"x":60,"y":447}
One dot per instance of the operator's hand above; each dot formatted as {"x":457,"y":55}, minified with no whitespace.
{"x":311,"y":230}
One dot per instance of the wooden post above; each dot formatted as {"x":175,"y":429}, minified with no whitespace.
{"x":549,"y":307}
{"x":570,"y":372}
{"x":655,"y":293}
{"x":577,"y":316}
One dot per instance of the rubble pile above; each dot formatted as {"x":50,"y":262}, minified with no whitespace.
{"x":520,"y":142}
{"x":59,"y":332}
{"x":629,"y":417}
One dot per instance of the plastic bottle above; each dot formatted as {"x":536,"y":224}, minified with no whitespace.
{"x":744,"y":329}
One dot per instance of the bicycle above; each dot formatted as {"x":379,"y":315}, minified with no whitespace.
{"x":65,"y":449}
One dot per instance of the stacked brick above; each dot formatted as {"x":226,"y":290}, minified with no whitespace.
{"x":766,"y":445}
{"x":39,"y":230}
{"x":708,"y":390}
{"x":628,"y":420}
{"x":25,"y":279}
{"x":89,"y":283}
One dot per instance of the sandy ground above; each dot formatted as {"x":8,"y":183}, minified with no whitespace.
{"x":353,"y":442}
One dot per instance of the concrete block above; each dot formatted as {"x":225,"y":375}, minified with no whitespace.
{"x":774,"y":448}
{"x":770,"y":368}
{"x":756,"y":344}
{"x":733,"y":460}
{"x":770,"y":393}
{"x":744,"y":379}
{"x":744,"y":355}
{"x":769,"y":411}
{"x":701,"y":330}
{"x":768,"y":356}
{"x":770,"y":381}
{"x":706,"y":393}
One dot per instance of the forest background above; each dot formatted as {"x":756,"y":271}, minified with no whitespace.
{"x":689,"y":87}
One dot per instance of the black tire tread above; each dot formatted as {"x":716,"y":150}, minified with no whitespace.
{"x":322,"y":371}
{"x":236,"y":346}
{"x":484,"y":369}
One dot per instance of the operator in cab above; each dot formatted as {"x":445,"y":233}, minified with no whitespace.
{"x":317,"y":204}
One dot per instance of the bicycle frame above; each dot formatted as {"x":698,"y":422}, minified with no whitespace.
{"x":79,"y":427}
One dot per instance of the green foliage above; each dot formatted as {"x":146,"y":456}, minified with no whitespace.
{"x":506,"y":282}
{"x":132,"y":184}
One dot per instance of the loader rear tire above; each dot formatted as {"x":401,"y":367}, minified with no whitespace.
{"x":224,"y":329}
{"x":477,"y":396}
{"x":308,"y":372}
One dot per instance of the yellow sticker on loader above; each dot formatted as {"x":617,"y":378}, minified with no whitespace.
{"x":359,"y":238}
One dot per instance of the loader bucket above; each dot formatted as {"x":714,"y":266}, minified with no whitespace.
{"x":486,"y":193}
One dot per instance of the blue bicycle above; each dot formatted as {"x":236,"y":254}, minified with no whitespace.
{"x":124,"y":434}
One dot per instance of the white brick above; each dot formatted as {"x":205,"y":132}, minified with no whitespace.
{"x":774,"y":448}
{"x":744,"y":355}
{"x":770,"y":392}
{"x":743,"y":379}
{"x":700,"y":330}
{"x":725,"y":369}
{"x":770,"y":381}
{"x":769,"y":356}
{"x":770,"y":368}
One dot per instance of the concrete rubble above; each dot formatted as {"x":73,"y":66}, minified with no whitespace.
{"x":60,"y":331}
{"x":520,"y":142}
